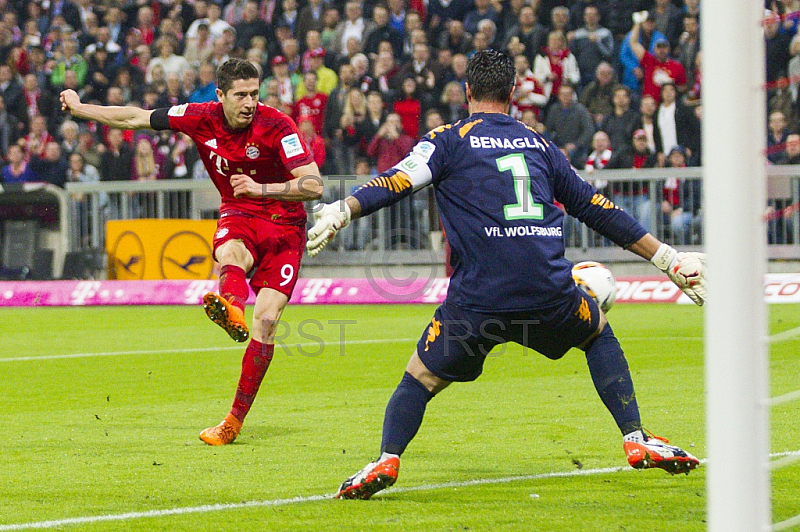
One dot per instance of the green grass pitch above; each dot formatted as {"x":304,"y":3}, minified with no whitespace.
{"x":115,"y":431}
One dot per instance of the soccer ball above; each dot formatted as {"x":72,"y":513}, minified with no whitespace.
{"x":597,"y":281}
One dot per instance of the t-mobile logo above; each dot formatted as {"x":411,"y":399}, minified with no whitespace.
{"x":220,"y":163}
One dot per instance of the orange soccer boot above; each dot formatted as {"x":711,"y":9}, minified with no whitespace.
{"x":227,"y":316}
{"x":376,"y":476}
{"x":224,"y":433}
{"x":645,"y":452}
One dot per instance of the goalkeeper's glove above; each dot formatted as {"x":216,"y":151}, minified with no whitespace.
{"x":687,"y":270}
{"x":329,"y":219}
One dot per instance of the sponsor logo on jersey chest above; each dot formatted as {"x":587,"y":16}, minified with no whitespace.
{"x":424,"y":150}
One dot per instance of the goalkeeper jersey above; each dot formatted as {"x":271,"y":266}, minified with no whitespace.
{"x":496,"y":184}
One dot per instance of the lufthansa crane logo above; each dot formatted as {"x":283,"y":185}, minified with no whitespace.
{"x":127,"y":257}
{"x":186,"y":255}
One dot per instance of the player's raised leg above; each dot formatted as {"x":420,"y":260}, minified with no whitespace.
{"x":612,"y":380}
{"x":226,"y":309}
{"x":257,"y":358}
{"x":401,"y":422}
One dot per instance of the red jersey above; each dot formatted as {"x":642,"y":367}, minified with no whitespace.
{"x":409,"y":110}
{"x":656,"y":74}
{"x":267,"y":150}
{"x":311,"y":106}
{"x":533,"y":99}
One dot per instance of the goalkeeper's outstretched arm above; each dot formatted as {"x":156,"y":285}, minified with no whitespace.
{"x":386,"y":189}
{"x":687,"y":270}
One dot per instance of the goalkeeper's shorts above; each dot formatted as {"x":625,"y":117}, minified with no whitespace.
{"x":456,"y":342}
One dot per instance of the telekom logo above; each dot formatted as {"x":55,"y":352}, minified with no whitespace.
{"x":437,"y":292}
{"x":84,"y":290}
{"x":220,"y":163}
{"x":196,"y":289}
{"x":314,"y":289}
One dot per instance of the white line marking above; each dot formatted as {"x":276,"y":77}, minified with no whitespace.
{"x":312,"y":498}
{"x":785,"y":335}
{"x":284,"y":345}
{"x":789,"y":523}
{"x":280,"y":345}
{"x":162,"y":513}
{"x":784,"y":453}
{"x":788,"y":458}
{"x":785,"y":398}
{"x":780,"y":337}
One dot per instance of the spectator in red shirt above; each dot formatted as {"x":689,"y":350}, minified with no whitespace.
{"x":681,"y":204}
{"x":312,"y":105}
{"x":530,"y":91}
{"x":145,"y":23}
{"x":38,"y":138}
{"x":633,"y":196}
{"x":390,"y":144}
{"x":556,"y":65}
{"x":659,"y":68}
{"x":410,"y":107}
{"x":313,"y":141}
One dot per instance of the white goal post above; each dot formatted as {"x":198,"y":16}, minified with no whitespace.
{"x":734,"y":139}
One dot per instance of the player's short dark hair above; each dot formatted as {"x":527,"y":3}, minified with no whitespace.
{"x":234,"y":69}
{"x":491,"y":76}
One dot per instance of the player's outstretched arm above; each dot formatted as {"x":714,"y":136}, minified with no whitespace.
{"x":387,"y":188}
{"x":329,"y":219}
{"x":686,"y":270}
{"x":120,"y":117}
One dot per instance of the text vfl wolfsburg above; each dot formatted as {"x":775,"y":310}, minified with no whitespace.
{"x":522,"y":230}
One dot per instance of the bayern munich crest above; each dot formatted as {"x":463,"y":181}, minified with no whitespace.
{"x":252,"y":152}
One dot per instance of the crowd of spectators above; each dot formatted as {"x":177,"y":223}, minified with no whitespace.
{"x":364,"y":79}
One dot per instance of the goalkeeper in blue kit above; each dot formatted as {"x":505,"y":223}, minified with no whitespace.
{"x":496,"y":182}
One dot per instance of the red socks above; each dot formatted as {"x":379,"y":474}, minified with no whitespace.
{"x":256,"y":360}
{"x":257,"y":356}
{"x":233,"y":285}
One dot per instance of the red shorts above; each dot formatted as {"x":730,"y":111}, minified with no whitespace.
{"x":276,"y":249}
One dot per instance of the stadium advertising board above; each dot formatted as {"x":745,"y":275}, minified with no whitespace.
{"x":778,"y":288}
{"x":160,"y":249}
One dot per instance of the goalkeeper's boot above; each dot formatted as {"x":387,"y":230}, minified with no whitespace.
{"x":376,"y":476}
{"x":645,"y":452}
{"x":224,"y":433}
{"x":227,"y":316}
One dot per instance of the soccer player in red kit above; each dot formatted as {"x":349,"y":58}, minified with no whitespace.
{"x":263,"y":172}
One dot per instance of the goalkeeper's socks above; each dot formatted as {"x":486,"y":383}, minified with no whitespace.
{"x":612,"y":380}
{"x":636,"y":436}
{"x":387,"y":456}
{"x":233,"y":285}
{"x":255,"y":363}
{"x":404,"y":414}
